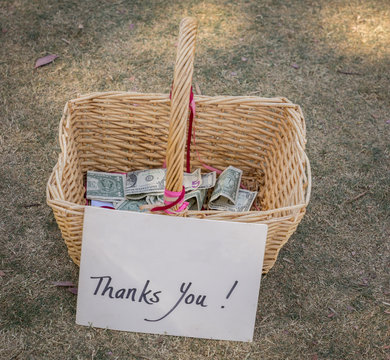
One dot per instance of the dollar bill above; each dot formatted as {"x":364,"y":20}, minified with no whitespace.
{"x":154,"y":199}
{"x":131,"y":205}
{"x":144,"y":195}
{"x":105,"y":186}
{"x":208,"y":180}
{"x":141,"y":182}
{"x":195,"y":199}
{"x":227,"y":186}
{"x":244,"y":202}
{"x":192,"y":181}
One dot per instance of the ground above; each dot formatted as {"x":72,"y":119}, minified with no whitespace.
{"x":328,"y":296}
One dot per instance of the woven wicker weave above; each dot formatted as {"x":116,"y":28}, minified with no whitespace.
{"x":122,"y":131}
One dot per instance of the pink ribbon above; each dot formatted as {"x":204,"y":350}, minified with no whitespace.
{"x":172,"y":198}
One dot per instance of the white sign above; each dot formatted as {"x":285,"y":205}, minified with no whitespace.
{"x":170,"y":275}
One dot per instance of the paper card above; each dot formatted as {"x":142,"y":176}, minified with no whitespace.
{"x":170,"y":275}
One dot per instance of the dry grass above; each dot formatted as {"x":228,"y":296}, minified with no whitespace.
{"x":326,"y":297}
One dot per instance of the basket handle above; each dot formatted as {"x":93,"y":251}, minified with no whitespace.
{"x":182,"y":80}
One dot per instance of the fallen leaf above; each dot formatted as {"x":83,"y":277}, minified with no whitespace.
{"x":73,"y":290}
{"x":63,"y":283}
{"x":45,"y":60}
{"x":295,"y":66}
{"x":331,"y":315}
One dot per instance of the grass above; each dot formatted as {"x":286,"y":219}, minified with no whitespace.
{"x":327,"y":296}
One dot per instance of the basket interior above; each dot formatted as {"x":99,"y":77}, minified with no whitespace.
{"x":126,"y":131}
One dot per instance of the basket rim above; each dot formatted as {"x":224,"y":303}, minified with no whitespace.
{"x":202,"y":99}
{"x":74,"y":208}
{"x":60,"y":205}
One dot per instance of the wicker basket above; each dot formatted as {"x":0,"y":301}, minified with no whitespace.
{"x":122,"y":131}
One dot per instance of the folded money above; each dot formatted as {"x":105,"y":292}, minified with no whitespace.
{"x":227,"y":186}
{"x":208,"y":180}
{"x":195,"y":199}
{"x":144,"y":195}
{"x":192,"y":181}
{"x":141,"y":183}
{"x":142,"y":189}
{"x":131,"y":205}
{"x":244,"y":202}
{"x":105,"y":186}
{"x":154,"y":199}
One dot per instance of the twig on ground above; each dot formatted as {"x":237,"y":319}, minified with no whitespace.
{"x":31,"y":205}
{"x":17,"y":355}
{"x":197,"y":89}
{"x":357,"y":197}
{"x":328,"y":222}
{"x":348,"y":72}
{"x":332,"y":310}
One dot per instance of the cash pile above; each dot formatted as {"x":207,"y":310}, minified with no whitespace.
{"x":138,"y":190}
